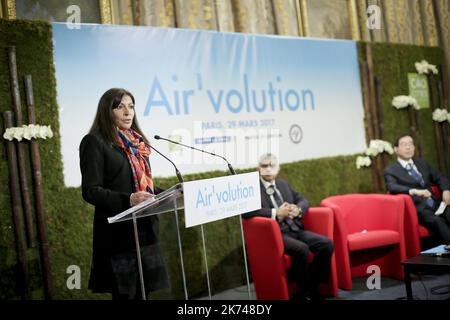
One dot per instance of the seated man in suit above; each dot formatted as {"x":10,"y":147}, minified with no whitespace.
{"x":414,"y":176}
{"x":279,"y":201}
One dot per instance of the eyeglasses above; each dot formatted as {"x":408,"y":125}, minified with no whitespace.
{"x":406,"y":144}
{"x":265,"y":165}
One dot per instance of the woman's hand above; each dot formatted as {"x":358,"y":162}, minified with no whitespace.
{"x":139,"y":197}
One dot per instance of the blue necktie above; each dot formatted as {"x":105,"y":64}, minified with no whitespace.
{"x":413,"y":173}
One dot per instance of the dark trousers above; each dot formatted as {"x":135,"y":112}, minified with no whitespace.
{"x":439,"y":225}
{"x":298,"y":245}
{"x":137,"y":295}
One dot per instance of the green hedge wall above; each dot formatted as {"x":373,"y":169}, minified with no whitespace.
{"x":34,"y":56}
{"x":70,"y":218}
{"x":391,"y":64}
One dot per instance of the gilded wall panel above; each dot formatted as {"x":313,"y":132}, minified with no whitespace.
{"x":403,"y":17}
{"x":254,"y":16}
{"x":443,"y":9}
{"x":286,"y":17}
{"x":122,"y":12}
{"x":380,"y":35}
{"x":196,"y":14}
{"x":418,"y":30}
{"x":328,"y":19}
{"x":390,"y":15}
{"x":353,"y":16}
{"x":361,"y":6}
{"x":8,"y":9}
{"x":56,"y":10}
{"x":158,"y":13}
{"x":429,"y":22}
{"x":225,"y":17}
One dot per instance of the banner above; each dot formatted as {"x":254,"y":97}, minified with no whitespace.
{"x":209,"y":200}
{"x":236,"y":95}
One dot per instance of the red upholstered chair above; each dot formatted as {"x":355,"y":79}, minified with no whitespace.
{"x":413,"y":230}
{"x":368,"y":230}
{"x":268,"y":263}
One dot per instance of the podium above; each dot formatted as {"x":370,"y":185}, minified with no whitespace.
{"x":171,"y":200}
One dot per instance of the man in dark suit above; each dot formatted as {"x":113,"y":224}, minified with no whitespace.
{"x":414,"y":176}
{"x":279,"y":201}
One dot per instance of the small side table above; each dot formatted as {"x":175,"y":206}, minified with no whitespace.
{"x":426,"y":264}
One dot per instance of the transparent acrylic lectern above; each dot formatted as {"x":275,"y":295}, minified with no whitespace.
{"x":171,"y":200}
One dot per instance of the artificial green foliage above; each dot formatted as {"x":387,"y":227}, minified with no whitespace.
{"x":70,"y":218}
{"x":34,"y":56}
{"x":391,"y":65}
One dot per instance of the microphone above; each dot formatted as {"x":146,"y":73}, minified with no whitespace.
{"x":180,"y":178}
{"x":193,"y":148}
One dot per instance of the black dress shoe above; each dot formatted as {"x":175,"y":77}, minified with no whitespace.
{"x":314,"y":294}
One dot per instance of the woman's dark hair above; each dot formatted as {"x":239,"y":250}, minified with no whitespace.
{"x":104,"y":119}
{"x":397,"y":139}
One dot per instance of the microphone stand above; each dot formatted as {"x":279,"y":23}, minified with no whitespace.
{"x":233,"y":172}
{"x":179,"y":176}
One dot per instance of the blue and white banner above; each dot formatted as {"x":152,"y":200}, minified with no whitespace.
{"x":215,"y":199}
{"x":237,"y":95}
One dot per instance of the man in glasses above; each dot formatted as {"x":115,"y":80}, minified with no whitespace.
{"x":414,"y":176}
{"x":281,"y":202}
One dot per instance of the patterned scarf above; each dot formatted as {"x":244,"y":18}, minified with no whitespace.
{"x":137,"y":152}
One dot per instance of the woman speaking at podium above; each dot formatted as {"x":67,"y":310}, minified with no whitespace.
{"x":116,"y":175}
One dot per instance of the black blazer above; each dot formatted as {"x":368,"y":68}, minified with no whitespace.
{"x":289,"y":195}
{"x":107,"y":183}
{"x":399,"y":181}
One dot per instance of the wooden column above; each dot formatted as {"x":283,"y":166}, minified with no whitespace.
{"x":436,"y":100}
{"x":39,"y":193}
{"x":19,"y":227}
{"x":377,"y":166}
{"x":17,"y":105}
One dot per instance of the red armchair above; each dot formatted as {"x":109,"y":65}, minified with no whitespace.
{"x":368,"y":230}
{"x":268,"y":263}
{"x":413,"y":230}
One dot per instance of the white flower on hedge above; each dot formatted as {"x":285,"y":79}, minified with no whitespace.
{"x":9,"y":134}
{"x":440,"y":115}
{"x":18,"y":133}
{"x":388,"y":148}
{"x":401,"y":102}
{"x":34,"y":129}
{"x":379,"y":146}
{"x":423,"y":67}
{"x":371,"y":152}
{"x":433,"y":69}
{"x":41,"y":132}
{"x":363,"y":162}
{"x":28,"y":132}
{"x":45,"y":132}
{"x":49,"y":132}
